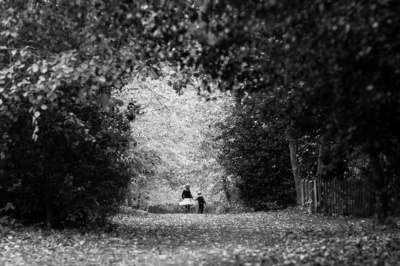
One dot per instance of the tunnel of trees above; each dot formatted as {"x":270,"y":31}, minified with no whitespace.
{"x":304,"y":89}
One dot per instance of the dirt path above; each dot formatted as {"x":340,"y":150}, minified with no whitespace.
{"x":274,"y":238}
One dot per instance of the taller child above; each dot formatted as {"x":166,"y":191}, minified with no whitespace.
{"x":186,"y":196}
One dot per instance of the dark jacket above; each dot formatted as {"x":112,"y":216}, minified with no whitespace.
{"x":201,"y":200}
{"x":186,"y":194}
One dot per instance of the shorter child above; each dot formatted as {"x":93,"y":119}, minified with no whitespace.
{"x":201,"y":201}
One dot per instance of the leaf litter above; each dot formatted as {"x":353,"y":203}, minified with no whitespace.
{"x":265,"y":238}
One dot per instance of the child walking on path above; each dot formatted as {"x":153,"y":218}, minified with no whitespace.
{"x":187,"y":198}
{"x":201,"y":201}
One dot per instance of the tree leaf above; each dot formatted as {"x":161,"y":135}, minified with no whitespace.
{"x":35,"y":68}
{"x":43,"y":68}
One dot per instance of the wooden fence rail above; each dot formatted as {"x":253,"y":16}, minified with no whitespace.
{"x":336,"y":197}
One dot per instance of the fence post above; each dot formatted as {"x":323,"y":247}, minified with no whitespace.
{"x":324,"y":195}
{"x":321,"y":195}
{"x":315,"y":195}
{"x":318,"y":194}
{"x":358,"y":199}
{"x":352,"y":197}
{"x":338,"y":197}
{"x":309,"y":195}
{"x":301,"y":193}
{"x":341,"y":197}
{"x":335,"y":182}
{"x":363,"y":199}
{"x":305,"y":193}
{"x":331,"y":197}
{"x":346,"y":196}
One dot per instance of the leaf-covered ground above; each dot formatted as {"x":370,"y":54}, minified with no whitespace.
{"x":272,"y":238}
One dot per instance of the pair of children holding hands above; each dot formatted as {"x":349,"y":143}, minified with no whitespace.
{"x":188,"y":200}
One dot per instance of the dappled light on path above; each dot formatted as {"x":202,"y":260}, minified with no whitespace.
{"x":275,"y":238}
{"x":272,"y":238}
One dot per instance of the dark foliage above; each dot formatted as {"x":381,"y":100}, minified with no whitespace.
{"x":338,"y":59}
{"x":257,"y":155}
{"x":71,"y":175}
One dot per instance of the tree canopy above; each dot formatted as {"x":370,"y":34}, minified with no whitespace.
{"x":336,"y":59}
{"x":330,"y":66}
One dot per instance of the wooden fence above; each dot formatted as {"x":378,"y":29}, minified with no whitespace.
{"x":336,"y":197}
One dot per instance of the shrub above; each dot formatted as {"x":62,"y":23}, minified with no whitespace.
{"x":255,"y":153}
{"x":72,"y":174}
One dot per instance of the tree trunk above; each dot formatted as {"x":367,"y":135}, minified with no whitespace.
{"x":324,"y":163}
{"x":49,"y":188}
{"x":225,"y":186}
{"x":129,"y":195}
{"x":49,"y":213}
{"x":319,"y":160}
{"x":379,"y":184}
{"x":138,"y":202}
{"x":129,"y":198}
{"x":295,"y":167}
